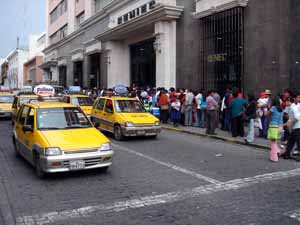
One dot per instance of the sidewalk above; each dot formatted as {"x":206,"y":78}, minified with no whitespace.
{"x":221,"y":135}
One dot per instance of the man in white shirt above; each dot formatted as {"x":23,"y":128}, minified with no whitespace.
{"x":294,"y":123}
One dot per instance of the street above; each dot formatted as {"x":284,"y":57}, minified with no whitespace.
{"x":174,"y":179}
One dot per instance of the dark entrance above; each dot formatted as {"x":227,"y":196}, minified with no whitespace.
{"x":222,"y":49}
{"x":143,"y":64}
{"x":63,"y":76}
{"x":78,"y":73}
{"x":94,"y":76}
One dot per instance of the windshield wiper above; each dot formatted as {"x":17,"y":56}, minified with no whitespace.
{"x":50,"y":128}
{"x":76,"y":127}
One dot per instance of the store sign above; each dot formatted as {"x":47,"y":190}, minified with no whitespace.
{"x":136,"y":12}
{"x":217,"y":57}
{"x":44,"y":90}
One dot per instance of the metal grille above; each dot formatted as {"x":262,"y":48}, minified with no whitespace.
{"x":222,"y":45}
{"x":81,"y":151}
{"x":88,"y":162}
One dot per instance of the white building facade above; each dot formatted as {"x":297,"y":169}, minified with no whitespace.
{"x":16,"y":60}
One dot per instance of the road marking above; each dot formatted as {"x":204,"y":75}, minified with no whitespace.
{"x":171,"y":197}
{"x":169,"y":165}
{"x":294,"y":214}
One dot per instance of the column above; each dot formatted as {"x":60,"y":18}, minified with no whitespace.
{"x":118,"y":64}
{"x":165,"y":46}
{"x":86,"y":71}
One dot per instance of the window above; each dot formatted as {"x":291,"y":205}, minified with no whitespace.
{"x":82,"y":101}
{"x":79,"y":19}
{"x":59,"y":35}
{"x":109,"y":106}
{"x":23,"y":115}
{"x":58,"y":11}
{"x":129,"y":106}
{"x":30,"y":118}
{"x":100,"y":4}
{"x":100,"y":104}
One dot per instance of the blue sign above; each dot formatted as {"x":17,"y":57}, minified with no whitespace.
{"x":74,"y":88}
{"x":121,"y":90}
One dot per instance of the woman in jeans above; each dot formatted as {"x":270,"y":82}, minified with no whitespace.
{"x":276,"y":117}
{"x":251,"y":115}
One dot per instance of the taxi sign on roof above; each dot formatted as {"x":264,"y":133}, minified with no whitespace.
{"x":44,"y":90}
{"x":74,"y":88}
{"x":121,"y":90}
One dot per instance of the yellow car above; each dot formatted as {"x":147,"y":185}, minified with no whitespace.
{"x":6,"y":101}
{"x":57,"y":137}
{"x":83,"y":101}
{"x":19,"y":100}
{"x":124,"y":117}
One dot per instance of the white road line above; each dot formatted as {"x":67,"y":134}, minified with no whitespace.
{"x":169,"y":165}
{"x":294,"y":214}
{"x":171,"y":197}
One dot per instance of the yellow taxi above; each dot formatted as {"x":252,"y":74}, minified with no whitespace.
{"x":19,"y":100}
{"x":6,"y":101}
{"x":57,"y":137}
{"x":83,"y":101}
{"x":124,"y":117}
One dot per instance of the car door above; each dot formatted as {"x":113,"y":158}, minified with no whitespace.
{"x":108,"y":114}
{"x":98,"y":112}
{"x":19,"y":134}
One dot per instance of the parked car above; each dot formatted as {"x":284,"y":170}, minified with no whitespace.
{"x":58,"y":137}
{"x":124,"y":117}
{"x":6,"y":100}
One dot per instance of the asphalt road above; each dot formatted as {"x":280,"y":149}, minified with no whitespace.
{"x":174,"y":179}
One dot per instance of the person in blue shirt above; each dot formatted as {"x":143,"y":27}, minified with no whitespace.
{"x":276,"y":121}
{"x":237,"y":107}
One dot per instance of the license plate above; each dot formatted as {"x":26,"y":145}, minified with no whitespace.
{"x":141,"y":132}
{"x":77,"y":165}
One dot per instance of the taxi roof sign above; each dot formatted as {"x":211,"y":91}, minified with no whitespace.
{"x":44,"y":90}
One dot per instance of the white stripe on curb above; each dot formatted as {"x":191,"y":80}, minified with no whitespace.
{"x":169,"y":165}
{"x":171,"y":197}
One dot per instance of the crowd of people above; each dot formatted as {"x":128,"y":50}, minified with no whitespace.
{"x":277,"y":117}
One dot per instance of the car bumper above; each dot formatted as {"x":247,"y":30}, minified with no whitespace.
{"x":57,"y":164}
{"x":141,"y":131}
{"x":5,"y":114}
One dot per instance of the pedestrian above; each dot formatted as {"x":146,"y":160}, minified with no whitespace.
{"x":226,"y":110}
{"x":286,"y":115}
{"x":211,"y":107}
{"x":175,"y":112}
{"x":237,"y":106}
{"x":182,"y":102}
{"x":276,"y":121}
{"x":294,"y":124}
{"x":164,"y":106}
{"x":217,"y":97}
{"x":199,"y":100}
{"x":188,"y":112}
{"x":250,"y":113}
{"x":264,"y":103}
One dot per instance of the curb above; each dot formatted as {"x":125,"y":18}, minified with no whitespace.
{"x":217,"y":137}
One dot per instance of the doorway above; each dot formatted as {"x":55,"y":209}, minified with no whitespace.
{"x":143,"y":64}
{"x":78,"y":73}
{"x":63,"y":76}
{"x":94,"y":75}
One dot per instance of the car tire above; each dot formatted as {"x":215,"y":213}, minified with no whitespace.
{"x":104,"y":169}
{"x":38,"y":167}
{"x":153,"y":136}
{"x":118,"y":133}
{"x":16,"y":148}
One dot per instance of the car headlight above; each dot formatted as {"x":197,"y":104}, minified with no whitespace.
{"x":52,"y":151}
{"x":157,"y":123}
{"x":129,"y":124}
{"x":105,"y":147}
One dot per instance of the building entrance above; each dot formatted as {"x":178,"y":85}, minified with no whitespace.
{"x":143,"y":64}
{"x":78,"y":73}
{"x":95,"y":80}
{"x":63,"y":76}
{"x":222,"y":45}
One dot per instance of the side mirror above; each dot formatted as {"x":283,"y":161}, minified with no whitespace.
{"x":27,"y":128}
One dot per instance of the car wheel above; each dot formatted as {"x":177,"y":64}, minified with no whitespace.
{"x":16,"y":147}
{"x":38,"y":167}
{"x":118,"y":133}
{"x":153,"y":136}
{"x":103,"y":169}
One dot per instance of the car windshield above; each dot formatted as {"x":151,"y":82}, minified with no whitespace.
{"x":6,"y":99}
{"x":82,"y":101}
{"x":129,"y":106}
{"x":61,"y":118}
{"x":27,"y":99}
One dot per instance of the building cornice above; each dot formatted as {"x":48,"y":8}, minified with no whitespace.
{"x":159,"y":13}
{"x":220,"y":8}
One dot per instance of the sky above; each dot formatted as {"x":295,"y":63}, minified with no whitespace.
{"x":19,"y":18}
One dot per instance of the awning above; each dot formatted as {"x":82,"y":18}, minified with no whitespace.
{"x":159,"y":13}
{"x":47,"y":65}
